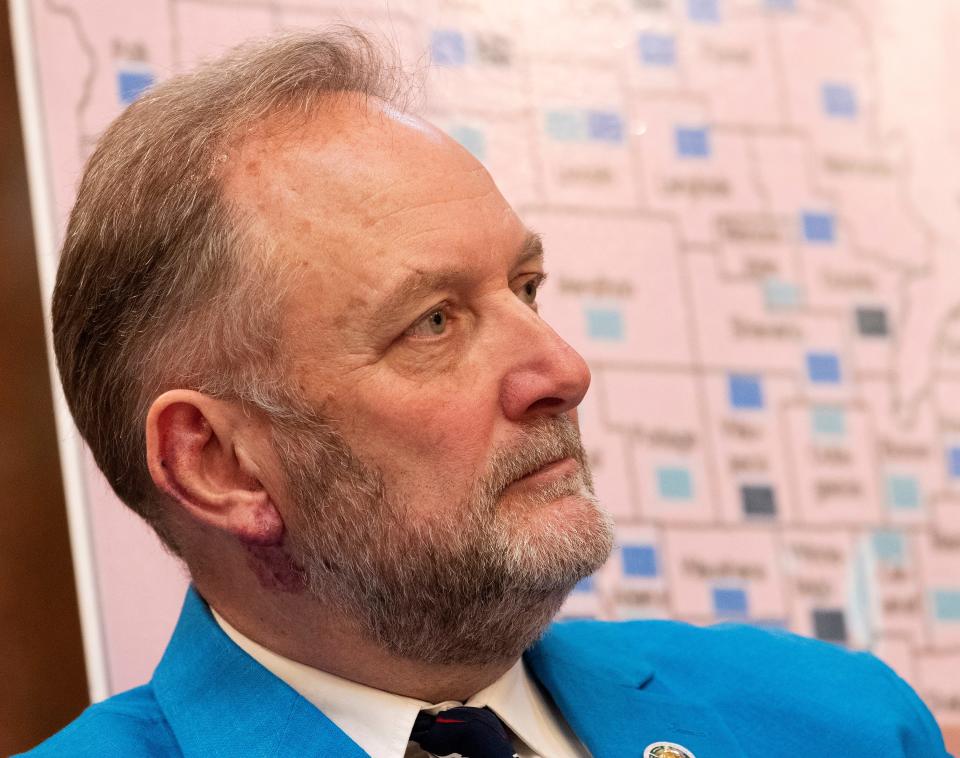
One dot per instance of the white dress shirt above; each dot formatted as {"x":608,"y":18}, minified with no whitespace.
{"x":380,"y":722}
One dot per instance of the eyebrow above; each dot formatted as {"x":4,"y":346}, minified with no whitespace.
{"x":418,"y":284}
{"x":531,"y":248}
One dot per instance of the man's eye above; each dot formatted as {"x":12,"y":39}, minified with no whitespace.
{"x":431,"y":325}
{"x":528,"y":292}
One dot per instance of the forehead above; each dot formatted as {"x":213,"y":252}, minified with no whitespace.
{"x":354,"y":159}
{"x":364,"y":192}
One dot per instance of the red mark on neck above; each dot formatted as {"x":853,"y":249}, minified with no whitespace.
{"x":275,"y":568}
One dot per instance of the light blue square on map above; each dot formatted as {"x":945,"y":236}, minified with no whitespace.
{"x":903,"y":491}
{"x":771,"y":624}
{"x":828,"y":421}
{"x":657,"y":49}
{"x":730,"y":602}
{"x":605,"y":126}
{"x":448,"y":47}
{"x":889,"y":548}
{"x":605,"y":324}
{"x":566,"y":125}
{"x":946,"y":605}
{"x":823,"y":368}
{"x":746,"y":391}
{"x":587,"y":584}
{"x":639,"y":560}
{"x":953,"y":462}
{"x":471,"y":138}
{"x":704,"y":11}
{"x":781,"y":295}
{"x":818,"y":227}
{"x":131,"y":84}
{"x":674,"y":483}
{"x":839,"y":100}
{"x":693,"y":142}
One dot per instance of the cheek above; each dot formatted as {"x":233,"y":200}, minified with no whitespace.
{"x":449,"y":429}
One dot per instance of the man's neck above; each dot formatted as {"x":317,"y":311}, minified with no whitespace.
{"x":302,"y":629}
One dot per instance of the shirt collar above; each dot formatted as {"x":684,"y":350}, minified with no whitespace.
{"x":347,"y":704}
{"x":517,"y":700}
{"x":514,"y":697}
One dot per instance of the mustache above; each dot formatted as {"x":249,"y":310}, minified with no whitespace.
{"x":540,"y":443}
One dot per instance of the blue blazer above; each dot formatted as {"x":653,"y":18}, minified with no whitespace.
{"x":729,"y":691}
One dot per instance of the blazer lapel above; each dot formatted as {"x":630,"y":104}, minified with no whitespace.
{"x":219,"y":701}
{"x":615,"y":705}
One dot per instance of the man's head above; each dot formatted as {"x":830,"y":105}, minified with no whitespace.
{"x":328,"y":355}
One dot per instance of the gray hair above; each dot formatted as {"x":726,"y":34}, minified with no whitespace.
{"x":160,"y":284}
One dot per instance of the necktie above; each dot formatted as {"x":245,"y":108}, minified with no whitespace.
{"x":469,"y":732}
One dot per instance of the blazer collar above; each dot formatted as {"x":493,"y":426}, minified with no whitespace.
{"x":219,"y":701}
{"x":612,"y":699}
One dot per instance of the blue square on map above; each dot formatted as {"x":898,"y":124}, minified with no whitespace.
{"x":730,"y":602}
{"x":704,"y":11}
{"x":903,"y":491}
{"x":946,"y":604}
{"x":605,"y":324}
{"x":471,"y":138}
{"x":587,"y":584}
{"x":693,"y":142}
{"x":953,"y":462}
{"x":823,"y":368}
{"x":657,"y":49}
{"x":605,"y":126}
{"x":448,"y":47}
{"x":746,"y":391}
{"x":674,"y":483}
{"x":818,"y":227}
{"x":839,"y":100}
{"x":639,"y":560}
{"x":131,"y":83}
{"x":888,"y":547}
{"x":565,"y":125}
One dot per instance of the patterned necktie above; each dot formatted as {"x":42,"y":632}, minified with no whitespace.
{"x":464,"y":731}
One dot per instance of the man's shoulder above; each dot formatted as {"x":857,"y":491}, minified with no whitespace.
{"x":734,"y":655}
{"x":761,"y":670}
{"x":128,"y":724}
{"x":664,"y":642}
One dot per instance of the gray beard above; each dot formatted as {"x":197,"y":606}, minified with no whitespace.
{"x":470,"y":586}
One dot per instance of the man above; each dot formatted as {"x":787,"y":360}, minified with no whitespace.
{"x":298,"y":328}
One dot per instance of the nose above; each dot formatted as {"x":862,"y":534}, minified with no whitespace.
{"x":545,"y":377}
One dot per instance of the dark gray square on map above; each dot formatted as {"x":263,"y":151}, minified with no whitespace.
{"x":872,"y":322}
{"x":829,"y":625}
{"x":758,"y":500}
{"x":494,"y":49}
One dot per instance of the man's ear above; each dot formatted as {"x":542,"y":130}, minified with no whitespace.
{"x":197,"y":453}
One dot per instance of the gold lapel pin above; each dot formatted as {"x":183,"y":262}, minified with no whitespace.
{"x":666,"y":750}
